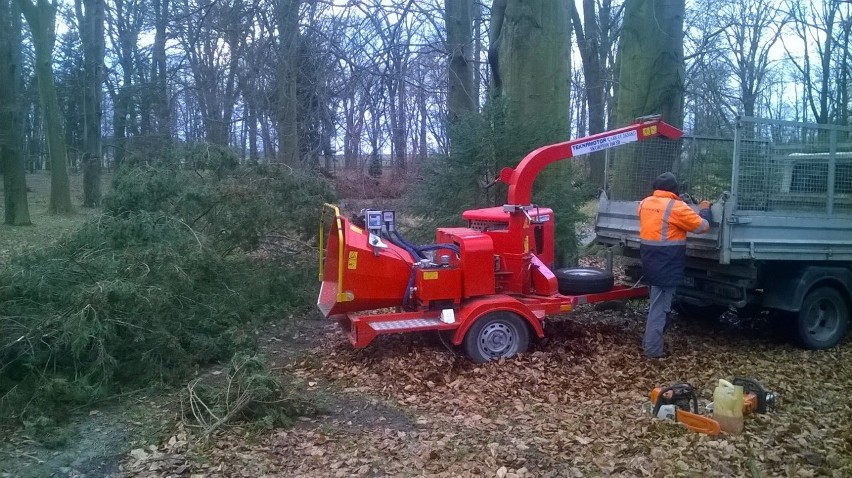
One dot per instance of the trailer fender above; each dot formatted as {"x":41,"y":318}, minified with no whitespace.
{"x":472,"y":310}
{"x":788,"y":291}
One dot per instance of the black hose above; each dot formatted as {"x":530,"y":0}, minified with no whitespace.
{"x":415,"y":255}
{"x":427,"y":247}
{"x":399,"y":237}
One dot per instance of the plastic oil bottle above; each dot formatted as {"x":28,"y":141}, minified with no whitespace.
{"x":728,"y":406}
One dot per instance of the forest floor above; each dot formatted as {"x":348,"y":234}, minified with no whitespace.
{"x":407,"y":406}
{"x":570,"y":407}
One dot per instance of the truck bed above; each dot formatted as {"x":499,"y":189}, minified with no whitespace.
{"x":740,"y":235}
{"x":782,"y":191}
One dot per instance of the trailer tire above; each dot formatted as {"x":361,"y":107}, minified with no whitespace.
{"x":583,"y":280}
{"x":822,"y":320}
{"x":496,"y":335}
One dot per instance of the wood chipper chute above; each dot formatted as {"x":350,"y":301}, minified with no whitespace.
{"x":489,"y":285}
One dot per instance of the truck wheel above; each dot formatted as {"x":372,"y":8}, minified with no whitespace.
{"x":496,"y":335}
{"x":822,"y":321}
{"x":583,"y":280}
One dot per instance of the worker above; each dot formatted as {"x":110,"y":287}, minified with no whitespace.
{"x":664,"y":221}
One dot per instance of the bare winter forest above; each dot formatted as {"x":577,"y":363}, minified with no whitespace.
{"x":165,"y":162}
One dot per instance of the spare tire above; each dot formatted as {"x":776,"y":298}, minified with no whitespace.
{"x":583,"y":280}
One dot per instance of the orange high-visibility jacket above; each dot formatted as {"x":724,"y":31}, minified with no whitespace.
{"x":664,"y":221}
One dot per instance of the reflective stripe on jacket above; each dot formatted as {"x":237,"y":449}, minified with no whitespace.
{"x":664,"y":221}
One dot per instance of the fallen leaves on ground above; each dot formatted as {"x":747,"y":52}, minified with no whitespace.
{"x":571,"y":406}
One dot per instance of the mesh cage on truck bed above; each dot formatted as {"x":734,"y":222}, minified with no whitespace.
{"x":769,"y":173}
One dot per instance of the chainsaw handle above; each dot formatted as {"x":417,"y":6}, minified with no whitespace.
{"x":675,"y":387}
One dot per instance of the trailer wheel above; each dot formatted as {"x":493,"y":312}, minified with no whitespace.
{"x":496,"y":335}
{"x":822,"y":320}
{"x":583,"y":280}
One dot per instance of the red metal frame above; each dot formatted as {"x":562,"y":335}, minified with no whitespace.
{"x":361,"y":332}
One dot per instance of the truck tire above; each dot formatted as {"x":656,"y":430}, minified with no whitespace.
{"x":583,"y":280}
{"x":496,"y":335}
{"x":822,"y":320}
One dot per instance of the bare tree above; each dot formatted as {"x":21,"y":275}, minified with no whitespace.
{"x":90,"y":18}
{"x":596,"y":34}
{"x":814,"y":27}
{"x":124,"y":25}
{"x":16,"y":211}
{"x":288,"y":32}
{"x":461,"y":100}
{"x":753,"y":27}
{"x":41,"y":17}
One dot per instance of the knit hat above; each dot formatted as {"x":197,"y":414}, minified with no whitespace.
{"x":666,"y":182}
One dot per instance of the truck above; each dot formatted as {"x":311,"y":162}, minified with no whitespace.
{"x":780,"y":242}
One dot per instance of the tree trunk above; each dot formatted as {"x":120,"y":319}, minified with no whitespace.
{"x":531,"y":48}
{"x":398,"y":116}
{"x":162,"y":111}
{"x":460,"y":96}
{"x":288,"y":131}
{"x":92,"y":34}
{"x":530,"y":62}
{"x":16,"y":212}
{"x":651,"y":81}
{"x":477,"y":52}
{"x":41,"y":19}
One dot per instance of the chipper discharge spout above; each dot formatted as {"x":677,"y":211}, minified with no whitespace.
{"x":358,"y":270}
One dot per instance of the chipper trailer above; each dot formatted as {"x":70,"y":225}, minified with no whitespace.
{"x":487,"y":286}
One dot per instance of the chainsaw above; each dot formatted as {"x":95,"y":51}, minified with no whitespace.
{"x":684,"y":401}
{"x":756,"y":399}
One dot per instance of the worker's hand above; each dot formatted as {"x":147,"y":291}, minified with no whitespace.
{"x":704,"y":211}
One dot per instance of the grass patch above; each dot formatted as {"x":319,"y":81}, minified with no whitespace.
{"x":46,"y":228}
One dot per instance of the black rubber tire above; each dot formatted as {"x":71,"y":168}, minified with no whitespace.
{"x":496,"y":335}
{"x":691,"y":311}
{"x":583,"y":280}
{"x":823,"y":319}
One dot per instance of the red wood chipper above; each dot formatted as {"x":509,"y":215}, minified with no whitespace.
{"x":488,"y":286}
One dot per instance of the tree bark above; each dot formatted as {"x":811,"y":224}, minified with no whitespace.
{"x":16,"y":212}
{"x":530,"y":67}
{"x":530,"y":57}
{"x":460,"y":96}
{"x":162,"y":110}
{"x":90,"y":17}
{"x":288,"y":131}
{"x":651,"y":81}
{"x":41,"y":18}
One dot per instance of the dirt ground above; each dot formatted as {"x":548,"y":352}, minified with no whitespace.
{"x":571,"y":406}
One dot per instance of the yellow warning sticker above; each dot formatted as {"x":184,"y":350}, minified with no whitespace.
{"x":430,"y":275}
{"x":526,"y":243}
{"x":649,"y":131}
{"x":356,"y":229}
{"x":353,"y":260}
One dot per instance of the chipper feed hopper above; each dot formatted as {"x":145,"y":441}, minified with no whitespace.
{"x":488,"y":286}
